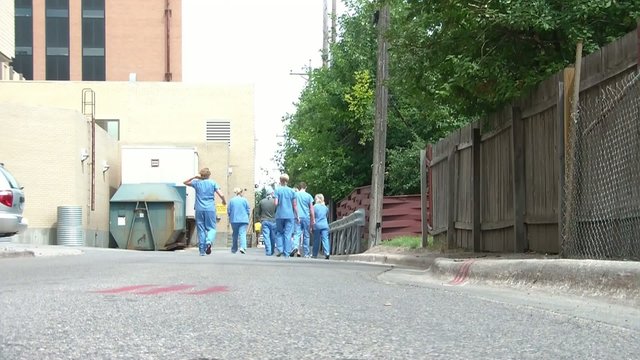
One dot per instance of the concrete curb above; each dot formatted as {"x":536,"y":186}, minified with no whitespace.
{"x":14,"y":250}
{"x":619,"y":280}
{"x":599,"y":278}
{"x":15,"y":253}
{"x":415,"y":261}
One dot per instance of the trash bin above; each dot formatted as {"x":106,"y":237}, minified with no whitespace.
{"x":148,"y":217}
{"x":70,"y":231}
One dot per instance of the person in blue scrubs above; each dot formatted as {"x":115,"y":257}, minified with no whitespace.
{"x":297,"y":231}
{"x":205,"y":208}
{"x":305,"y":213}
{"x":321,"y":227}
{"x":239,"y":212}
{"x":286,"y":216}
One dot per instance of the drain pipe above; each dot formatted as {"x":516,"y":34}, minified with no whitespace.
{"x":167,"y":22}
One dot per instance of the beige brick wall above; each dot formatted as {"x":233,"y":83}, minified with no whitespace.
{"x":150,"y":113}
{"x":43,"y":153}
{"x":7,"y":28}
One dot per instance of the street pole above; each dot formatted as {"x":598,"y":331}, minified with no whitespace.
{"x":380,"y":130}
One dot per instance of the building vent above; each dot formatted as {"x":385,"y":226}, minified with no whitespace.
{"x":218,"y":131}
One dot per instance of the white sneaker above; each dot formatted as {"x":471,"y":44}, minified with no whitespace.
{"x":242,"y":251}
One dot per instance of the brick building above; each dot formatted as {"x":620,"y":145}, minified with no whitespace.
{"x":97,"y":40}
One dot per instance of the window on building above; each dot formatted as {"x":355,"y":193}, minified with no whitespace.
{"x":23,"y":61}
{"x":217,"y":130}
{"x":112,"y":127}
{"x":57,"y":39}
{"x":93,"y":40}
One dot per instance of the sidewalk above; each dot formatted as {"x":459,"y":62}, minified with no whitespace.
{"x":616,"y":280}
{"x":15,"y":250}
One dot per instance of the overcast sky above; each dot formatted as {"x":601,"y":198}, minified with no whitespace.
{"x":254,"y":42}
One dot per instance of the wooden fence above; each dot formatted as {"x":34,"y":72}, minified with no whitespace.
{"x":400,"y":214}
{"x":496,"y":184}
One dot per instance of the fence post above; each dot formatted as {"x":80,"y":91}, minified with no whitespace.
{"x":451,"y":199}
{"x":424,"y":201}
{"x":430,"y":188}
{"x":568,"y":77}
{"x":477,"y":231}
{"x":561,"y":163}
{"x":517,"y":142}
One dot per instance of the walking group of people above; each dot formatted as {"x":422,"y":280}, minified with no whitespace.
{"x":288,"y":217}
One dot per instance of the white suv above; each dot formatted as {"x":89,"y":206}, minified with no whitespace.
{"x":11,"y":204}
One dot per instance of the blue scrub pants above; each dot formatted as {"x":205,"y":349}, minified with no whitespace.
{"x":239,"y":231}
{"x":297,"y":232}
{"x":206,"y":228}
{"x":305,"y":230}
{"x":284,"y":230}
{"x":321,"y":235}
{"x":269,"y":236}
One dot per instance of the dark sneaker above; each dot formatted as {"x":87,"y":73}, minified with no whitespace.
{"x":278,"y":254}
{"x":293,"y":253}
{"x":326,"y":257}
{"x":208,"y":251}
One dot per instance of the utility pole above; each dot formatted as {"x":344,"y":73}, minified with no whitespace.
{"x":380,"y":129}
{"x":325,"y":34}
{"x":334,"y":17}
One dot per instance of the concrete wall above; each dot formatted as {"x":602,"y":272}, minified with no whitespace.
{"x":7,"y":31}
{"x":8,"y":74}
{"x":43,"y":153}
{"x":150,"y":113}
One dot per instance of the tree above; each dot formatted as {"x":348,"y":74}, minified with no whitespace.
{"x":451,"y":62}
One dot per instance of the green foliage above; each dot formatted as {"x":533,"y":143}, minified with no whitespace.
{"x":403,"y":171}
{"x":411,"y":242}
{"x":451,"y":62}
{"x":474,"y":56}
{"x":360,"y":104}
{"x":259,"y":195}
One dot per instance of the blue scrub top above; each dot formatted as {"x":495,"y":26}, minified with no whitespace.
{"x":238,"y":210}
{"x":321,"y":211}
{"x":285,"y":196}
{"x":205,"y":194}
{"x":304,"y":202}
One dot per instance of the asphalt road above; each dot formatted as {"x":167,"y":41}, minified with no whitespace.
{"x":114,"y":304}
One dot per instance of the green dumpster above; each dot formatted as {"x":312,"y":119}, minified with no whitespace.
{"x":148,"y":217}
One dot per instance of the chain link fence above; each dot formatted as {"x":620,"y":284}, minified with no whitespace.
{"x":602,"y":177}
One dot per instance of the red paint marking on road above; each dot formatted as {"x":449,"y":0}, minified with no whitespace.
{"x":122,"y":289}
{"x":214,"y":289}
{"x":463,"y":273}
{"x":166,"y":289}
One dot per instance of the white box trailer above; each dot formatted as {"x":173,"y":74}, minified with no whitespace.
{"x":161,"y":164}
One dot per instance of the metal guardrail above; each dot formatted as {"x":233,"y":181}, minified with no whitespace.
{"x":345,"y":235}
